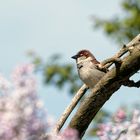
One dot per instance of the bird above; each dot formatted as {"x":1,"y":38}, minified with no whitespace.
{"x":88,"y":68}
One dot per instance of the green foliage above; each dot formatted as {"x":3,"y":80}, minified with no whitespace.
{"x":122,"y":28}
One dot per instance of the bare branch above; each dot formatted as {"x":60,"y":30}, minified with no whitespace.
{"x":70,"y":108}
{"x":121,"y":133}
{"x":131,"y":83}
{"x":126,"y":48}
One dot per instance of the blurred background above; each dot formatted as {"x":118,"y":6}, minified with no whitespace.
{"x":49,"y":32}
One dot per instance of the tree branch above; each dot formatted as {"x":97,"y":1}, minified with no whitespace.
{"x":66,"y":113}
{"x":131,"y":83}
{"x":110,"y":83}
{"x":70,"y":108}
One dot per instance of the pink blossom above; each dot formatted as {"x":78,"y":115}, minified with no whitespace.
{"x":70,"y":134}
{"x":67,"y":134}
{"x":120,"y":115}
{"x":122,"y":128}
{"x":22,"y":115}
{"x":4,"y":84}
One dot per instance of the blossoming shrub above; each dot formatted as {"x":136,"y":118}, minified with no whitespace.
{"x":121,"y":127}
{"x":22,"y":116}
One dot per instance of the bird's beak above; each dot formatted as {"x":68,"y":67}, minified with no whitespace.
{"x":74,"y":57}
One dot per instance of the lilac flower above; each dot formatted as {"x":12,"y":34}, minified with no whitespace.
{"x":122,"y":128}
{"x":120,"y":115}
{"x":67,"y":134}
{"x":103,"y":128}
{"x":4,"y":84}
{"x":22,"y":116}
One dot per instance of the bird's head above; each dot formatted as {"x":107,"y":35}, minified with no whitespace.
{"x":83,"y":55}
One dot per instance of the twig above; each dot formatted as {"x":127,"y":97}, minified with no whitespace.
{"x":70,"y":108}
{"x":108,"y":62}
{"x":126,"y":48}
{"x":122,"y":132}
{"x":131,"y":83}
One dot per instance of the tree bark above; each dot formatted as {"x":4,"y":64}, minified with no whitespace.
{"x":103,"y":90}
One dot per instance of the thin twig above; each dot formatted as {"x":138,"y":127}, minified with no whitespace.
{"x":108,"y":62}
{"x":123,"y":50}
{"x":122,"y":132}
{"x":70,"y":108}
{"x":131,"y":83}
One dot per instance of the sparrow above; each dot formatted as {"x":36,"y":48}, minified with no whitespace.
{"x":88,"y":68}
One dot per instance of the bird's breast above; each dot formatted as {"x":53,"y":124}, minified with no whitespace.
{"x":90,"y":75}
